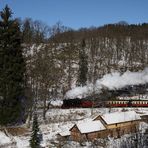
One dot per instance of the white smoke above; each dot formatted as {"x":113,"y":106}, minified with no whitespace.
{"x":111,"y":81}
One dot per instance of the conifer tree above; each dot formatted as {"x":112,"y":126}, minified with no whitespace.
{"x":12,"y":69}
{"x":35,"y":137}
{"x":83,"y":65}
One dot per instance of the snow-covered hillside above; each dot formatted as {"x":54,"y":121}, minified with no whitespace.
{"x":61,"y":120}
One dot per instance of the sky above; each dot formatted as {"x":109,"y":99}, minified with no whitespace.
{"x":80,"y":13}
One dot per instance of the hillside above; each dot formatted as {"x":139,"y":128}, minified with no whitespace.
{"x":60,"y":121}
{"x":108,"y":49}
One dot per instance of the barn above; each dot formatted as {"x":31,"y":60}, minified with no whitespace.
{"x":113,"y":124}
{"x":88,"y":131}
{"x":120,"y":123}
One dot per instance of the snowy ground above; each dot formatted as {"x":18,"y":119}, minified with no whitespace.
{"x":60,"y":121}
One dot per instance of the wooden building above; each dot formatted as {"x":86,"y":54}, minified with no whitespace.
{"x":120,"y":123}
{"x":88,"y":131}
{"x":112,"y":124}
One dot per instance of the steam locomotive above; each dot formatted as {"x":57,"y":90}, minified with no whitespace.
{"x":76,"y":103}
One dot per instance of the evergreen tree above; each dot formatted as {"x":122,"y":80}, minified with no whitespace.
{"x":12,"y":68}
{"x":35,"y":137}
{"x":83,"y":65}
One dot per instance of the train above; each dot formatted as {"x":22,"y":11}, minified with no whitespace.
{"x":83,"y":103}
{"x":110,"y":98}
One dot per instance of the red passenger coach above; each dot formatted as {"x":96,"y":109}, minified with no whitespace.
{"x":127,"y":103}
{"x":141,"y":103}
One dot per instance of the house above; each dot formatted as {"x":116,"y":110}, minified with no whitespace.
{"x":85,"y":131}
{"x":112,"y":124}
{"x":120,"y":123}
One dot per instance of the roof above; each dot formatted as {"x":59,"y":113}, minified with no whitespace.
{"x":118,"y":117}
{"x":65,"y":133}
{"x":90,"y":126}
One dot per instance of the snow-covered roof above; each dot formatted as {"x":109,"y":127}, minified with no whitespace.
{"x":90,"y":126}
{"x":118,"y":117}
{"x":65,"y":133}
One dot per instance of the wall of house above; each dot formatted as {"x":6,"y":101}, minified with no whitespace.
{"x":123,"y":124}
{"x":76,"y":135}
{"x":118,"y":132}
{"x":99,"y":134}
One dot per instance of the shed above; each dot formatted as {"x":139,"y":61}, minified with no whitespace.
{"x":119,"y":123}
{"x":88,"y":131}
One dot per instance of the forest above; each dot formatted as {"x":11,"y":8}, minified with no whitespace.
{"x":58,"y":58}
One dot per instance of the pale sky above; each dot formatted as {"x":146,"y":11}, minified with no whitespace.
{"x":80,"y":13}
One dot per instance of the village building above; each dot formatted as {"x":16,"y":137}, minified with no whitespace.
{"x":113,"y":124}
{"x":86,"y":131}
{"x":120,"y":123}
